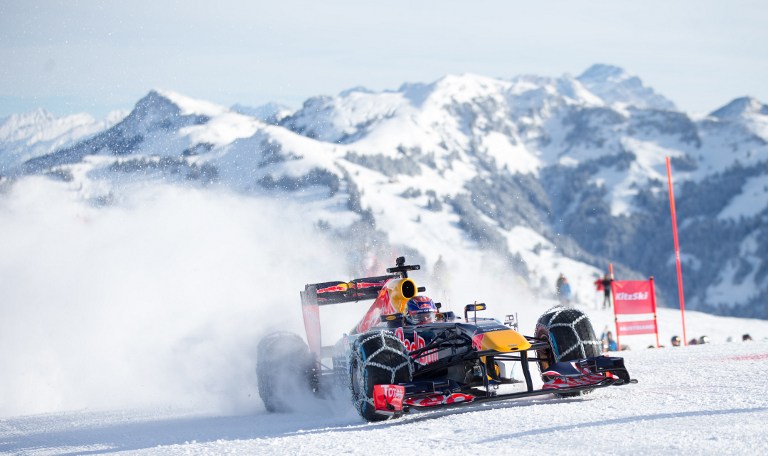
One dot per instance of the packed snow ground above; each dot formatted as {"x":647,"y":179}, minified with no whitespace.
{"x":706,"y":399}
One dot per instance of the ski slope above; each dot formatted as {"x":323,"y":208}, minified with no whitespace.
{"x":703,"y":399}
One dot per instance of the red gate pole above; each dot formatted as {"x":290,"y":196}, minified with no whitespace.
{"x":615,"y":315}
{"x":653,"y":304}
{"x":612,"y":300}
{"x":677,"y":249}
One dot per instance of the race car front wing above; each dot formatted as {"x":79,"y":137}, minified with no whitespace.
{"x":563,"y":378}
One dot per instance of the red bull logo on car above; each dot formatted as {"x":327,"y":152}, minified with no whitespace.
{"x":333,"y":288}
{"x":417,"y":343}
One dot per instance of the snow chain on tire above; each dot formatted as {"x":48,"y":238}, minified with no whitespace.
{"x":570,"y":336}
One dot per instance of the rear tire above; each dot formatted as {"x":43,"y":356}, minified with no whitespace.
{"x":285,"y":371}
{"x":570,"y":336}
{"x":377,"y":358}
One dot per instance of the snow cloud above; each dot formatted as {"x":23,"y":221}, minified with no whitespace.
{"x":156,"y":300}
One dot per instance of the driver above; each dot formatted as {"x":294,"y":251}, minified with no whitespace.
{"x":419,"y":310}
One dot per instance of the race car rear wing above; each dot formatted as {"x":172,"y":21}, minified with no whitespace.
{"x":326,"y":293}
{"x":315,"y":295}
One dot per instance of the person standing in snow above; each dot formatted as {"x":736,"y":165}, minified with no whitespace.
{"x":606,"y":285}
{"x":598,"y":285}
{"x":563,"y":290}
{"x":559,"y":284}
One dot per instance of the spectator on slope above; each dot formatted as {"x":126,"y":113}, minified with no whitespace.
{"x":746,"y":337}
{"x":598,"y":283}
{"x":559,"y":283}
{"x":564,"y":291}
{"x":675,"y":341}
{"x":606,"y":284}
{"x":609,"y":343}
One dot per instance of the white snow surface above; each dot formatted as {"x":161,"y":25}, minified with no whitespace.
{"x":706,"y":399}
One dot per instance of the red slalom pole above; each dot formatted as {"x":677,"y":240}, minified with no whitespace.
{"x":615,"y":314}
{"x":677,"y":249}
{"x":653,"y":305}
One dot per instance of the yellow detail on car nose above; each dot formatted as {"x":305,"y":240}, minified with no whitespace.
{"x":505,"y":340}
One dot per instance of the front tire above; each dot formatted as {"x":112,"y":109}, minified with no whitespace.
{"x":377,"y":358}
{"x":570,"y":336}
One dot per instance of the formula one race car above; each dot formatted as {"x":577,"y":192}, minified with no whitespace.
{"x":391,"y":365}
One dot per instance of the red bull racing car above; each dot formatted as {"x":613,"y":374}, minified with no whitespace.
{"x":406,"y":354}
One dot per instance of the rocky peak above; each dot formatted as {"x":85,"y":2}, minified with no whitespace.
{"x":617,"y":87}
{"x":741,"y":107}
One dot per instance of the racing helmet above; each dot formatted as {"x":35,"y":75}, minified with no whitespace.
{"x":420,"y":309}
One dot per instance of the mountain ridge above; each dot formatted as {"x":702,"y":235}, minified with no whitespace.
{"x":492,"y":161}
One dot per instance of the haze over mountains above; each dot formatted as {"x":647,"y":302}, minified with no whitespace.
{"x":540,"y":175}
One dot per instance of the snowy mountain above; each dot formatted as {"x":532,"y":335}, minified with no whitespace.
{"x":268,"y":113}
{"x":541,"y":175}
{"x":26,"y":136}
{"x":618,"y":88}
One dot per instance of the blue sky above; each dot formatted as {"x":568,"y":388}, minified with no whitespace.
{"x":97,"y":56}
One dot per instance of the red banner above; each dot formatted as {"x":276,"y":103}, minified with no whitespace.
{"x":632,"y":297}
